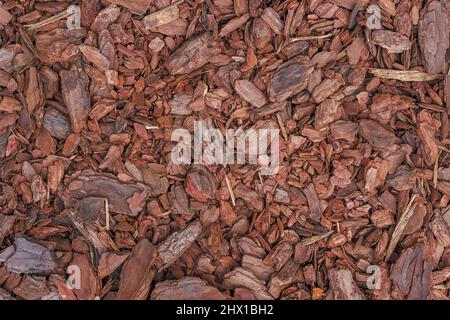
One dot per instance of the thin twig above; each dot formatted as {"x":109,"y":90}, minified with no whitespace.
{"x":401,"y":225}
{"x":230,"y":190}
{"x":304,"y":38}
{"x":435,"y":171}
{"x":283,"y":129}
{"x":107,"y":214}
{"x":404,"y":75}
{"x":314,"y":239}
{"x":59,"y":16}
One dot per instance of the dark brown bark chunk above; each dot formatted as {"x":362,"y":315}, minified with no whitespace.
{"x":289,"y":81}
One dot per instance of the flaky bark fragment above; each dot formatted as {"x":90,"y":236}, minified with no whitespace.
{"x":343,"y":285}
{"x":384,"y":106}
{"x":313,"y":202}
{"x":57,"y":124}
{"x":375,"y":174}
{"x":32,"y":288}
{"x":288,"y":275}
{"x":6,"y":225}
{"x":89,"y":288}
{"x":137,"y":272}
{"x":393,"y":42}
{"x":74,"y":87}
{"x":234,"y":25}
{"x":135,"y":6}
{"x":377,"y":135}
{"x":427,"y":127}
{"x":433,"y":37}
{"x":411,"y":274}
{"x":279,"y":255}
{"x":250,"y":93}
{"x":289,"y":81}
{"x":441,"y":229}
{"x":250,"y":197}
{"x":109,"y":262}
{"x":273,"y":20}
{"x":326,"y":88}
{"x":193,"y":54}
{"x":346,"y":130}
{"x":33,"y":91}
{"x":117,"y":193}
{"x":86,"y":229}
{"x":94,"y":55}
{"x":326,"y":113}
{"x":161,"y":17}
{"x":201,"y":184}
{"x":176,"y":244}
{"x":28,"y":257}
{"x":187,"y":288}
{"x":243,"y":278}
{"x":179,"y":201}
{"x":258,"y":267}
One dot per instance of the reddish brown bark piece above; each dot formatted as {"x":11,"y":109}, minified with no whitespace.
{"x":411,"y":274}
{"x":161,"y":17}
{"x":326,"y":88}
{"x":250,"y":197}
{"x":234,"y":25}
{"x":137,"y":272}
{"x":33,"y":94}
{"x":74,"y":86}
{"x":6,"y":225}
{"x":5,"y":16}
{"x":32,"y":288}
{"x":4,"y":295}
{"x":9,"y":104}
{"x":176,"y":244}
{"x":57,"y":124}
{"x":385,"y":105}
{"x":117,"y":193}
{"x":89,"y":286}
{"x":313,"y":202}
{"x":427,"y":130}
{"x":433,"y":39}
{"x":187,"y":288}
{"x":243,"y":278}
{"x":289,"y":81}
{"x":288,"y":275}
{"x":94,"y":56}
{"x":377,"y":135}
{"x":393,"y":42}
{"x":193,"y":55}
{"x":257,"y":267}
{"x":179,"y":201}
{"x":91,"y":116}
{"x":109,"y":262}
{"x":346,"y":130}
{"x":250,"y":93}
{"x":343,"y":285}
{"x":135,"y":6}
{"x":273,"y":20}
{"x":326,"y":113}
{"x":441,"y":229}
{"x":201,"y":184}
